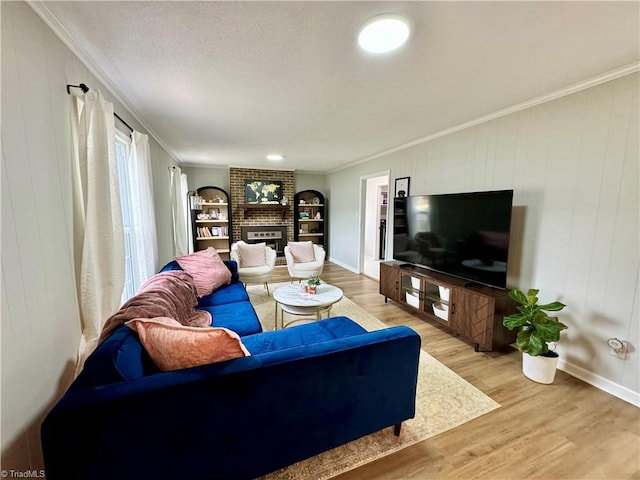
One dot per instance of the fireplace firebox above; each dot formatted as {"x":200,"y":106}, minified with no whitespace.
{"x":275,"y":236}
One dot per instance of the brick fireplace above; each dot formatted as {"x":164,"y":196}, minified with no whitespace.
{"x":245,"y":217}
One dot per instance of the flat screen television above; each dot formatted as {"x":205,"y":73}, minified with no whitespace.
{"x":461,"y":234}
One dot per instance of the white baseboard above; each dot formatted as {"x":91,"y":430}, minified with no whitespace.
{"x":600,"y":383}
{"x":343,"y":265}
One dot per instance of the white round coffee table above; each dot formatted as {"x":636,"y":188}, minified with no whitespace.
{"x":290,"y":299}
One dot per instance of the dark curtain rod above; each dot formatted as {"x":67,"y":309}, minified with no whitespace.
{"x":85,"y":89}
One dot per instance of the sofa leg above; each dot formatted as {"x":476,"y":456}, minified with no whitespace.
{"x":266,"y":285}
{"x":396,"y":429}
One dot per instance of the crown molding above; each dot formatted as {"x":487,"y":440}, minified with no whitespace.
{"x":49,"y":18}
{"x":200,"y":165}
{"x":571,"y":89}
{"x":275,"y":169}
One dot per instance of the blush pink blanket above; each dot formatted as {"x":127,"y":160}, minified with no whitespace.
{"x":167,"y":294}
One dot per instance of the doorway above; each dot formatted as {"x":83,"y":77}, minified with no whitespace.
{"x":374,"y":233}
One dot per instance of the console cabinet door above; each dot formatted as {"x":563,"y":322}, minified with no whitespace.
{"x":389,"y":282}
{"x":472,"y":316}
{"x":410,"y":290}
{"x":433,"y":304}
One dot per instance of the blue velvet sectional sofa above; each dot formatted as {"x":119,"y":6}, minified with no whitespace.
{"x":302,"y":391}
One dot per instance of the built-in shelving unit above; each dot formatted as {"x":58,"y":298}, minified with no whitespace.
{"x":211,"y":220}
{"x":309,"y":218}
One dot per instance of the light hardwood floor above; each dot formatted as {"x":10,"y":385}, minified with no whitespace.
{"x":567,"y":430}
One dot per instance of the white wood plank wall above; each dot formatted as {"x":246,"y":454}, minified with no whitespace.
{"x":40,"y":324}
{"x":573,"y":164}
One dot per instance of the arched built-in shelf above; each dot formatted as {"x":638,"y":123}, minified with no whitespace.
{"x":309,"y":218}
{"x":211,"y":220}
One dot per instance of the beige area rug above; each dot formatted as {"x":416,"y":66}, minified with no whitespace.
{"x":444,"y":400}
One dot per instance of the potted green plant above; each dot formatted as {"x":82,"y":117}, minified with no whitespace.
{"x":312,"y":284}
{"x":536,"y":330}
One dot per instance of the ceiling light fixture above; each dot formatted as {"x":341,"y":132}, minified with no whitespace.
{"x":384,"y":33}
{"x":275,"y":157}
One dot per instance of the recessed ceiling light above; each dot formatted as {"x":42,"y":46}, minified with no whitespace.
{"x":384,"y":33}
{"x":275,"y":157}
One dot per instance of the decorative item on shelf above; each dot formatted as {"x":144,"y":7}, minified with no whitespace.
{"x":312,"y":284}
{"x":315,"y":200}
{"x":318,"y":216}
{"x":214,"y":213}
{"x":284,"y":201}
{"x":304,"y":215}
{"x":196,"y":202}
{"x":302,"y":202}
{"x":218,"y":199}
{"x":536,"y":331}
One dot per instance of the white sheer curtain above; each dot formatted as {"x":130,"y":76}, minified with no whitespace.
{"x":98,"y":234}
{"x":187,"y":212}
{"x":188,"y":220}
{"x":142,"y":207}
{"x":178,"y":182}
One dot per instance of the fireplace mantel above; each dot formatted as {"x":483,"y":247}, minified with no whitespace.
{"x":246,"y":207}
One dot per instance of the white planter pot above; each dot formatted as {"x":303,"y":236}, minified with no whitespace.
{"x":539,"y":369}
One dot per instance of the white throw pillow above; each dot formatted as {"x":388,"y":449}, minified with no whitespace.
{"x":252,"y":254}
{"x":302,"y":252}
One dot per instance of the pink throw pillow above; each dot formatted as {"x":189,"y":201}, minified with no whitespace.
{"x":252,"y":254}
{"x":207,"y":269}
{"x":173,"y":346}
{"x":302,"y":252}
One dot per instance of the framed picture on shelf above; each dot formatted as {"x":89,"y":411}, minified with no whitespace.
{"x":214,"y":213}
{"x":402,"y":187}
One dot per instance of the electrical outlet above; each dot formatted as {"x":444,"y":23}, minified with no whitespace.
{"x":617,"y":348}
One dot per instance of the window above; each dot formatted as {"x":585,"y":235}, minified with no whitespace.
{"x":123,"y":143}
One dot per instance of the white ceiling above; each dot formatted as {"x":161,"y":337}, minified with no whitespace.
{"x":225,"y":83}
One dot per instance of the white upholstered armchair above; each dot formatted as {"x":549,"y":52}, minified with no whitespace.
{"x":255,"y":262}
{"x":304,"y":259}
